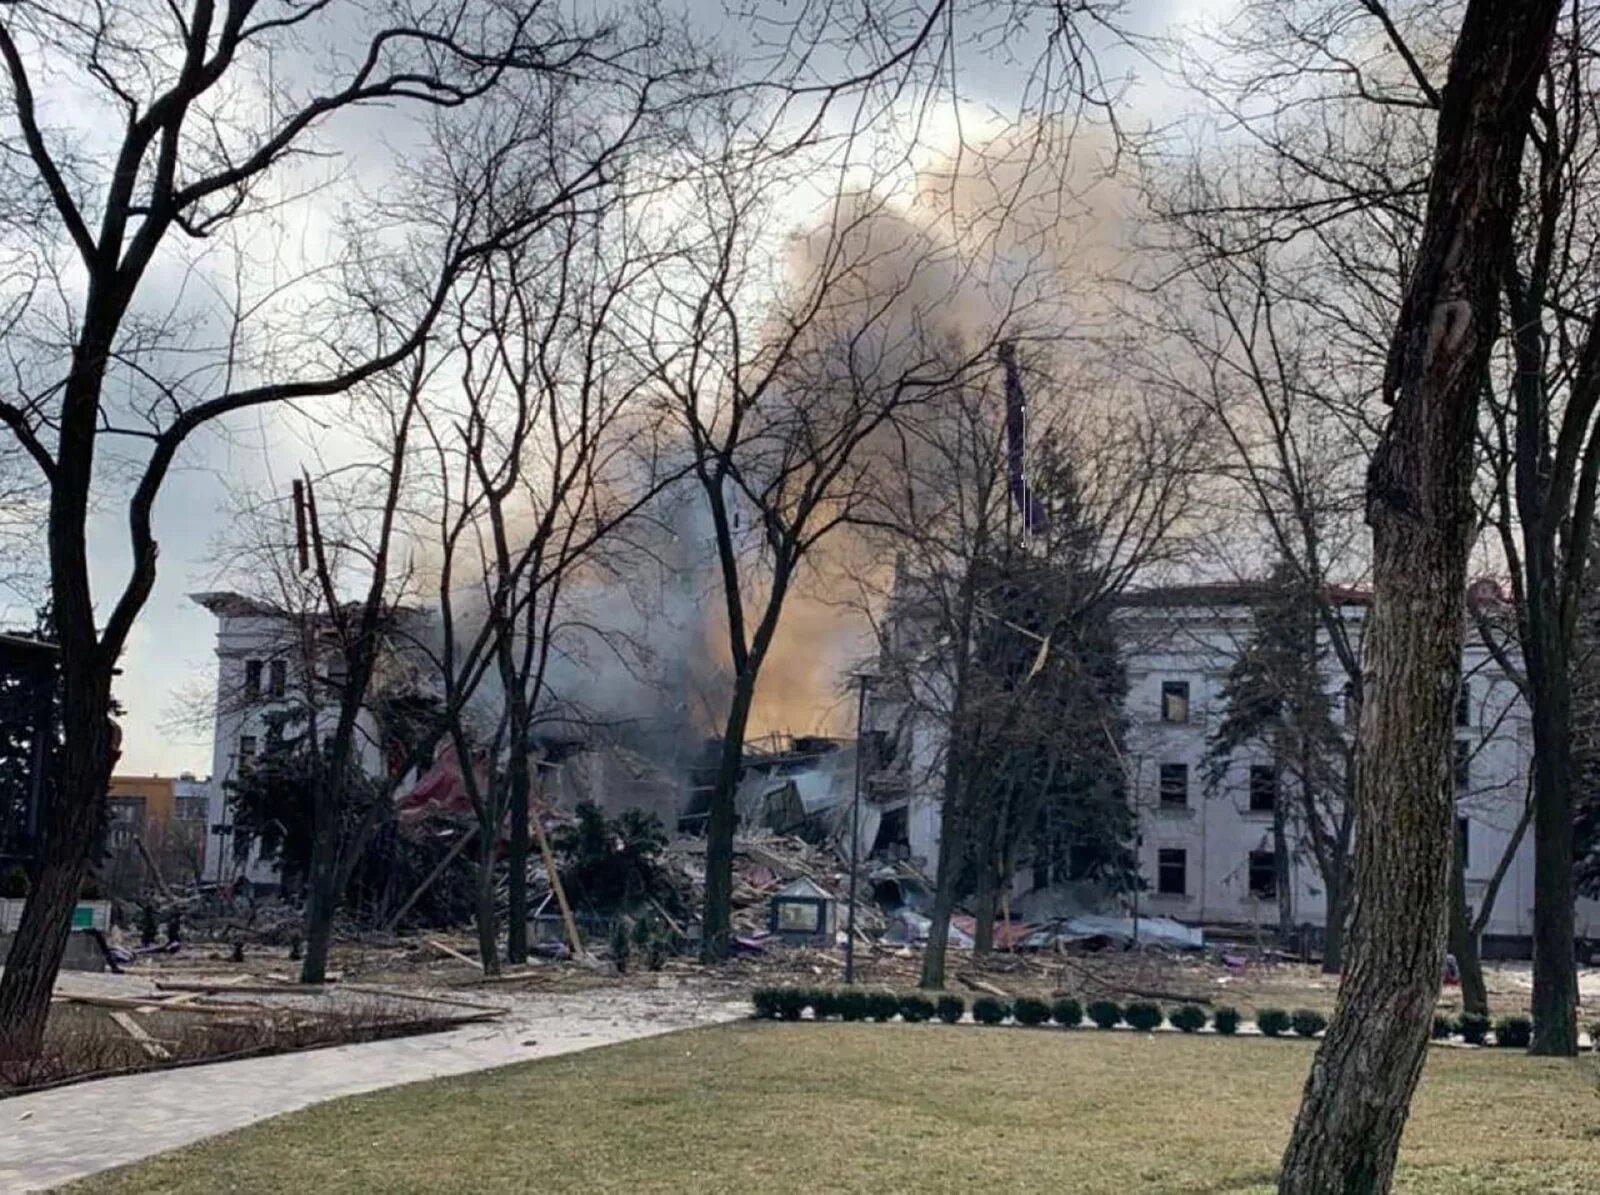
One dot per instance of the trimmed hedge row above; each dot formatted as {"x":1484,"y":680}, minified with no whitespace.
{"x":857,"y":1004}
{"x":865,"y":1004}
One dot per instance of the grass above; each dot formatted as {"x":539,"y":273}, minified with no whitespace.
{"x":870,"y":1108}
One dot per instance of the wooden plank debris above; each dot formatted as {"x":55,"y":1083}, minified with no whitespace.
{"x":139,"y":1034}
{"x":453,"y":952}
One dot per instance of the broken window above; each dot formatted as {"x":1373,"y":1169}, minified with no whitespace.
{"x":1175,"y":785}
{"x":1263,"y":788}
{"x":1175,"y":701}
{"x":278,"y":680}
{"x":1263,"y":875}
{"x":1172,"y":871}
{"x":252,"y":680}
{"x":799,"y":917}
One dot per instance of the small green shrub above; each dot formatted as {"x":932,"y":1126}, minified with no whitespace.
{"x":14,"y":883}
{"x":853,"y":1005}
{"x":1443,"y":1027}
{"x":1029,"y":1011}
{"x":916,"y":1008}
{"x":791,"y":1003}
{"x":1514,"y":1033}
{"x":949,"y":1009}
{"x":1226,"y":1020}
{"x":765,"y":1001}
{"x":824,"y":1004}
{"x":1273,"y":1022}
{"x":1066,"y":1012}
{"x":1188,"y":1018}
{"x":1143,"y":1015}
{"x":1308,"y":1022}
{"x":1473,"y":1028}
{"x":1105,"y":1013}
{"x":883,"y":1006}
{"x":987,"y":1010}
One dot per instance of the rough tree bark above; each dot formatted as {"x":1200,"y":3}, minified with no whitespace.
{"x":1419,"y":504}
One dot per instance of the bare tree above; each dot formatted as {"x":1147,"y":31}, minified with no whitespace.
{"x":1420,"y":506}
{"x":197,"y":158}
{"x":1339,"y":115}
{"x":989,"y":630}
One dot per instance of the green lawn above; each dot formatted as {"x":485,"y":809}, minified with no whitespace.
{"x":776,"y":1107}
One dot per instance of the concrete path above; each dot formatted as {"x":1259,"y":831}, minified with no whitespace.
{"x":56,"y":1136}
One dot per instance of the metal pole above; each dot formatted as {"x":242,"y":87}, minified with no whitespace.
{"x":862,"y":679}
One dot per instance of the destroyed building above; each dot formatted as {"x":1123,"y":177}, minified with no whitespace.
{"x":1206,"y":852}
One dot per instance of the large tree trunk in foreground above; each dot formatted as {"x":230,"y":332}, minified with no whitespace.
{"x":1419,"y":504}
{"x":75,"y":819}
{"x":1463,"y":941}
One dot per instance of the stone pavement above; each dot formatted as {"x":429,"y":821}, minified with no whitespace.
{"x":56,"y":1136}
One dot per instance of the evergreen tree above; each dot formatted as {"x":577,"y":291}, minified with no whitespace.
{"x":1273,"y":701}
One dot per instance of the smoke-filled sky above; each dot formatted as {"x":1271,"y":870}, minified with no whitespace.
{"x":170,"y":653}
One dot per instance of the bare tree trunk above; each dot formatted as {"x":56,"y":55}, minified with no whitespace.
{"x":952,"y":830}
{"x":76,"y":816}
{"x":517,"y":852}
{"x":1464,"y":942}
{"x":716,"y":924}
{"x":1555,"y":966}
{"x":488,"y":940}
{"x":1280,"y":872}
{"x":985,"y":903}
{"x":1419,"y":503}
{"x":1333,"y":884}
{"x":322,"y":895}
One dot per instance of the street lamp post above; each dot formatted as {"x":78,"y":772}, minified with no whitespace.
{"x":863,"y":681}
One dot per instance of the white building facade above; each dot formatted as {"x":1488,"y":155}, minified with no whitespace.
{"x":1205,"y":850}
{"x":261,"y":675}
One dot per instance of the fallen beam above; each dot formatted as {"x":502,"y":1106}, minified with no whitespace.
{"x":139,"y":1034}
{"x":453,"y":952}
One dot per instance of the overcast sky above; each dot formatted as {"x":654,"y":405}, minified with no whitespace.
{"x":170,"y":655}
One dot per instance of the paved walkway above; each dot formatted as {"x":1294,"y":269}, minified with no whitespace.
{"x":56,"y":1136}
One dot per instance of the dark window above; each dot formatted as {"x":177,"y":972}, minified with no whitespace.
{"x":1464,"y":839}
{"x":252,"y":680}
{"x":279,"y":678}
{"x":1172,"y":871}
{"x":1263,"y":875}
{"x":1175,"y":701}
{"x":247,"y":748}
{"x":1263,"y":788}
{"x":1463,"y":767}
{"x":1175,"y":784}
{"x":190,"y":809}
{"x":1464,"y":705}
